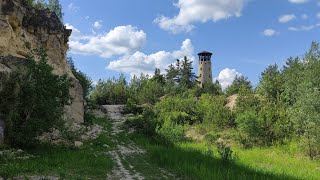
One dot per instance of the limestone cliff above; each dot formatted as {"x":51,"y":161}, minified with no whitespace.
{"x":23,"y":28}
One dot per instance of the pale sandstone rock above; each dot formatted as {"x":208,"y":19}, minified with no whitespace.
{"x":19,"y":34}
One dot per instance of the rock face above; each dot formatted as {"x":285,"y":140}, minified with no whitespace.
{"x":23,"y":28}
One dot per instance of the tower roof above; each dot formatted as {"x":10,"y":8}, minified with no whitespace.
{"x":205,"y":53}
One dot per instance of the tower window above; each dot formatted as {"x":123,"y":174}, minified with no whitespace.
{"x":209,"y":76}
{"x":200,"y":75}
{"x":200,"y":69}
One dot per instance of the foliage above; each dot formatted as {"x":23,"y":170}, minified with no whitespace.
{"x":55,"y":6}
{"x":88,"y":162}
{"x":213,"y":89}
{"x":177,"y":110}
{"x":182,"y":73}
{"x":132,"y":108}
{"x":271,"y":84}
{"x":213,"y":110}
{"x":225,"y":152}
{"x":305,"y":113}
{"x":261,"y":122}
{"x":170,"y":133}
{"x":240,"y":83}
{"x":112,"y":91}
{"x":33,"y":102}
{"x":52,"y":5}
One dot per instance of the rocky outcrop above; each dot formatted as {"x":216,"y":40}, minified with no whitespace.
{"x":23,"y":28}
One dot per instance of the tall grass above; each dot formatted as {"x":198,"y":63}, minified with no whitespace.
{"x":192,"y":161}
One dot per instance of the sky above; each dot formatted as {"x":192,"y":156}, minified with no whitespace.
{"x":111,"y":37}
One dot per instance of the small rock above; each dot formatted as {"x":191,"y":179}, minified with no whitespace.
{"x":78,"y":144}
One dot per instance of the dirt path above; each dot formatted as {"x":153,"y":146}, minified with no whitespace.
{"x":126,"y":154}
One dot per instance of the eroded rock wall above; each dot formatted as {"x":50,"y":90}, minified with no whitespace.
{"x":23,"y":28}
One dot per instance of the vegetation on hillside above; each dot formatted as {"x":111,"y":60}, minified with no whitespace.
{"x":52,"y":5}
{"x":32,"y":101}
{"x":281,"y":112}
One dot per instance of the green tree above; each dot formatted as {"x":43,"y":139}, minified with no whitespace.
{"x":112,"y":91}
{"x":305,"y":113}
{"x":158,"y":77}
{"x":271,"y":84}
{"x":55,"y":6}
{"x":187,"y":78}
{"x":212,"y":88}
{"x":238,"y":84}
{"x":292,"y":77}
{"x":36,"y":99}
{"x":151,"y":92}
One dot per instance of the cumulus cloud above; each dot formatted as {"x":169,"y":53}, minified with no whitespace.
{"x":226,"y":77}
{"x":270,"y":32}
{"x":121,"y":40}
{"x":298,"y":1}
{"x":286,"y":18}
{"x":97,"y":24}
{"x":139,"y":62}
{"x":193,"y":11}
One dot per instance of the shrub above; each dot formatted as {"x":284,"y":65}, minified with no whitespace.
{"x":131,"y":107}
{"x":170,"y":133}
{"x":225,"y":152}
{"x":213,"y":110}
{"x":33,"y":102}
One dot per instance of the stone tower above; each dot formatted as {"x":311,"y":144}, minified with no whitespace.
{"x":204,"y":68}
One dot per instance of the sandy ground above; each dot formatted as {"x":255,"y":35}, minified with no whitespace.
{"x":123,"y":150}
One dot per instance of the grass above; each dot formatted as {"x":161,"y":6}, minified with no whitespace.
{"x":191,"y":160}
{"x":89,"y":161}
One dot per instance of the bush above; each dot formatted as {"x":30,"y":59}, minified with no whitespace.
{"x":170,"y":133}
{"x":33,"y":102}
{"x":131,"y":107}
{"x":225,"y":152}
{"x":213,"y":110}
{"x":178,"y":110}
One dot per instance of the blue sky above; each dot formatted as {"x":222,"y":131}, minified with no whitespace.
{"x":132,"y":37}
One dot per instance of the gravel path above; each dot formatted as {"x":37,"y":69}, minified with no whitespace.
{"x":124,"y":151}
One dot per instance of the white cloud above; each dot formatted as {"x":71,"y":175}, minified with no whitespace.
{"x":226,"y":77}
{"x":73,"y":8}
{"x":304,"y":28}
{"x":97,"y":24}
{"x":270,"y":32}
{"x":298,"y":1}
{"x":194,"y":11}
{"x":139,"y":62}
{"x":121,"y":40}
{"x":286,"y":18}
